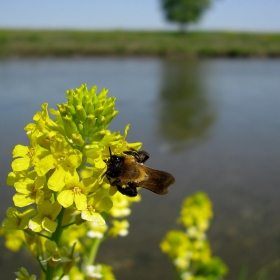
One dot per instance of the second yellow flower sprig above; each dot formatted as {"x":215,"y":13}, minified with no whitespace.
{"x":190,"y":250}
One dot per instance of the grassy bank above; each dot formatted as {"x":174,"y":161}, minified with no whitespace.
{"x":85,"y":43}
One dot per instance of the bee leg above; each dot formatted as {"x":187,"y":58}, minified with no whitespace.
{"x":133,"y":153}
{"x":130,"y":190}
{"x":140,"y":156}
{"x":143,"y":156}
{"x":110,"y":181}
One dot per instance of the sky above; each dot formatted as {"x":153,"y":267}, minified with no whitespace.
{"x":229,"y":15}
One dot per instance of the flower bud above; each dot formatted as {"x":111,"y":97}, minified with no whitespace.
{"x":99,"y":135}
{"x":81,"y":113}
{"x":101,"y":120}
{"x":103,"y":94}
{"x":62,"y":110}
{"x":89,"y":107}
{"x":77,"y":139}
{"x":76,"y":100}
{"x":69,"y":125}
{"x":70,"y":109}
{"x":108,"y":109}
{"x":109,"y":118}
{"x":70,"y":93}
{"x":89,"y":123}
{"x":98,"y":111}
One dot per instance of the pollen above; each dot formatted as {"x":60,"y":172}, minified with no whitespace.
{"x":91,"y":208}
{"x":33,"y":191}
{"x":31,"y":152}
{"x":77,"y":190}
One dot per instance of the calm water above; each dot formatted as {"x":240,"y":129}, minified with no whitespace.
{"x":213,"y":124}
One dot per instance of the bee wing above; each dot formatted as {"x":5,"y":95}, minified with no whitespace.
{"x":156,"y":181}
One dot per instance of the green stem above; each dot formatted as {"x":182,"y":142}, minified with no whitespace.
{"x":55,"y":237}
{"x":68,"y":225}
{"x":177,"y":274}
{"x":61,"y":276}
{"x":40,"y":264}
{"x":93,"y":250}
{"x":73,"y":250}
{"x":59,"y":229}
{"x":84,"y":161}
{"x":45,"y":236}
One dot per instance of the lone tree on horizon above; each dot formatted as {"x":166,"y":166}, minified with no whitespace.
{"x":184,"y":11}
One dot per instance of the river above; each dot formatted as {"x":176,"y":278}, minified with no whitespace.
{"x":213,"y":123}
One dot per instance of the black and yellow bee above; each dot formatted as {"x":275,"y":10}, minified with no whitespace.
{"x":128,"y":173}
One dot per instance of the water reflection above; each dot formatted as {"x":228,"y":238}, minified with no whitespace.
{"x":185,"y":111}
{"x":238,"y":166}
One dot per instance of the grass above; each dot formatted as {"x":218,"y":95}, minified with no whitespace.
{"x":86,"y":43}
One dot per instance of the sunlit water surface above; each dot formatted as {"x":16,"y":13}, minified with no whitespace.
{"x":213,"y":124}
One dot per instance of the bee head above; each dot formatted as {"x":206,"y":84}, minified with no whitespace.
{"x":114,"y":165}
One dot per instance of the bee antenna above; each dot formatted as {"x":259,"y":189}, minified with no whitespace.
{"x":110,"y":152}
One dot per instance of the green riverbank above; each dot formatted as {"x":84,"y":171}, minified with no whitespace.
{"x":149,"y":43}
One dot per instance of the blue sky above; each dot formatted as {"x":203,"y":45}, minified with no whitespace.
{"x":235,"y":15}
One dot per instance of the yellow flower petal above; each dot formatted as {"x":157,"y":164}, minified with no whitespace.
{"x":80,"y":201}
{"x":20,"y":164}
{"x":49,"y":225}
{"x":21,"y":200}
{"x":35,"y":223}
{"x":56,"y":181}
{"x":20,"y":150}
{"x":66,"y":198}
{"x":44,"y":165}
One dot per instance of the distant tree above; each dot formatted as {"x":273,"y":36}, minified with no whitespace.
{"x":184,"y":11}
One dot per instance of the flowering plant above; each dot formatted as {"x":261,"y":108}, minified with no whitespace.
{"x":60,"y":186}
{"x":190,"y":250}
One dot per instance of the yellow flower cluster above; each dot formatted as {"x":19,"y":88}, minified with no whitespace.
{"x":189,"y":250}
{"x":60,"y":178}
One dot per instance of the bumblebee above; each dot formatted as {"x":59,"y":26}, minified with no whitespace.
{"x":128,"y":173}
